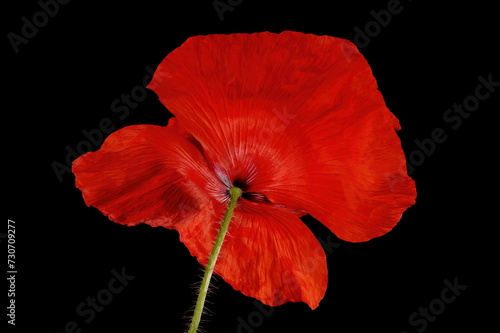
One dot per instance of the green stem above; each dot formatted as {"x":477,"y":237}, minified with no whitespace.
{"x":235,"y":194}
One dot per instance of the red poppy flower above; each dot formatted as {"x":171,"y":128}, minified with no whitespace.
{"x":294,"y":120}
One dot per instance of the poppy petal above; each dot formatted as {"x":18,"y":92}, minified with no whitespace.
{"x":300,"y":117}
{"x":209,"y":81}
{"x":355,"y":182}
{"x":145,"y":173}
{"x":269,"y":254}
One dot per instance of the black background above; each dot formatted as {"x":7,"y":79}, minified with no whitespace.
{"x":64,"y":80}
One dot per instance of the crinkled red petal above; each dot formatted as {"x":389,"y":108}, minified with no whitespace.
{"x":154,"y":175}
{"x":269,"y":254}
{"x":295,"y":117}
{"x":148,"y":174}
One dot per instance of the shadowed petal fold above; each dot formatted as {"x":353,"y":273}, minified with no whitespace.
{"x":269,"y":254}
{"x":145,"y":173}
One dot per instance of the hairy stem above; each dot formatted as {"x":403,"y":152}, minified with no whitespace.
{"x":235,"y":194}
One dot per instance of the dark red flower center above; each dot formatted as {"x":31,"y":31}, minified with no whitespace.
{"x":248,"y":195}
